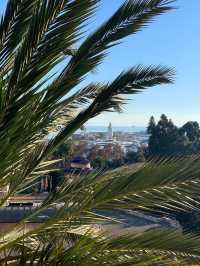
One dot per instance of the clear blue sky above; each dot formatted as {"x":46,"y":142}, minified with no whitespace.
{"x":173,"y":39}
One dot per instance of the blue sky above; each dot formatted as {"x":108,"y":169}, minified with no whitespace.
{"x":173,"y":40}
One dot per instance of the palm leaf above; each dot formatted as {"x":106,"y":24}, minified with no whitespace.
{"x":35,"y":37}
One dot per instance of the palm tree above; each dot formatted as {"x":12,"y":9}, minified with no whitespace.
{"x":37,"y":96}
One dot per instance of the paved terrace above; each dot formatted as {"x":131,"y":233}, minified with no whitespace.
{"x":23,"y":205}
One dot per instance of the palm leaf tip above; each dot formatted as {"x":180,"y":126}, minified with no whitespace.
{"x":141,"y":77}
{"x":130,"y":82}
{"x":133,"y":15}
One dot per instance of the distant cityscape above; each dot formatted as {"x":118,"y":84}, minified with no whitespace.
{"x":128,"y":138}
{"x":109,"y":146}
{"x":101,"y":128}
{"x":89,"y":149}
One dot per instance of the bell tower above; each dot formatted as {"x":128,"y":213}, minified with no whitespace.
{"x":110,"y":132}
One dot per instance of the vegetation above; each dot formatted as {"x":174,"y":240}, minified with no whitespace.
{"x":36,"y":97}
{"x":166,"y":139}
{"x":108,"y":157}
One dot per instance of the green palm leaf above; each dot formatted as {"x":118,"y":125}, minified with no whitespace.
{"x":35,"y":37}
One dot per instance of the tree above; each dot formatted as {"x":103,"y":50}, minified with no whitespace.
{"x":151,"y":126}
{"x":131,"y":157}
{"x":191,"y":130}
{"x":109,"y":156}
{"x":35,"y":37}
{"x":167,"y":139}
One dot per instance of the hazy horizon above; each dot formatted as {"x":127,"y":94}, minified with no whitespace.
{"x":130,"y":123}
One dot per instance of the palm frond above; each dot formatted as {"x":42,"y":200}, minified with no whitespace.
{"x":128,"y":19}
{"x":14,"y":25}
{"x":35,"y":37}
{"x":135,"y":249}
